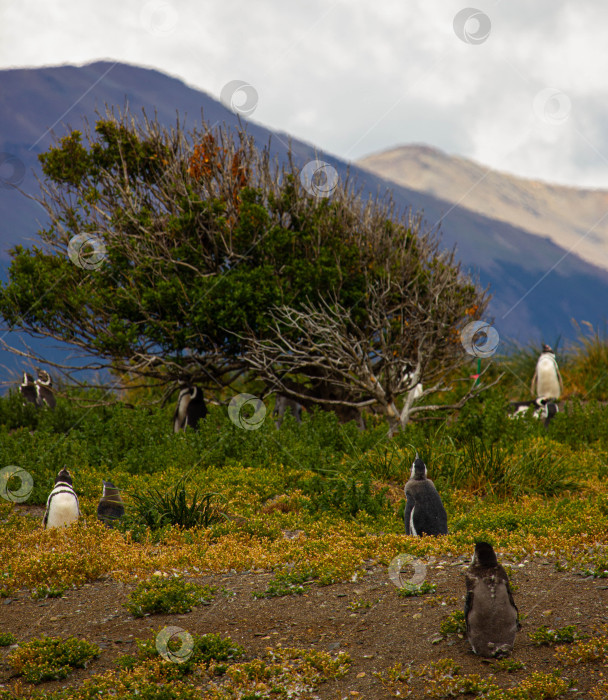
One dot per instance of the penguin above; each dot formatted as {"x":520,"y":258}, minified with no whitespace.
{"x":424,"y":511}
{"x":284,"y":403}
{"x":415,"y":391}
{"x":110,"y":506}
{"x":545,"y":408}
{"x":38,"y":391}
{"x":550,"y":411}
{"x":28,"y":389}
{"x":547,"y":381}
{"x":190,"y":407}
{"x":44,"y":392}
{"x":491,"y":616}
{"x":62,"y":504}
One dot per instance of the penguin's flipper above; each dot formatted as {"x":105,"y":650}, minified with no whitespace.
{"x":45,"y":396}
{"x":407,"y":516}
{"x":533,"y":382}
{"x":468,"y":606}
{"x":510,"y":593}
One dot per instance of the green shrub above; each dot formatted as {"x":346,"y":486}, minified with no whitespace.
{"x":454,"y":624}
{"x":6,"y":639}
{"x":48,"y":658}
{"x":510,"y":665}
{"x":206,"y":648}
{"x":411,"y":589}
{"x":42,"y":592}
{"x":566,"y":635}
{"x":346,"y":495}
{"x":288,"y":583}
{"x":167,"y":595}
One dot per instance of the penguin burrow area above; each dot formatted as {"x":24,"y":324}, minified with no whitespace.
{"x":366,"y":619}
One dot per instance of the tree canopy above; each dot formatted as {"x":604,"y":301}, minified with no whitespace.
{"x":197,"y":255}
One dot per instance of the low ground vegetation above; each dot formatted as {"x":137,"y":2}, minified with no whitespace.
{"x":305,"y":507}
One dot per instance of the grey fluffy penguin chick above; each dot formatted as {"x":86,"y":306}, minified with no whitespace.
{"x":491,"y":615}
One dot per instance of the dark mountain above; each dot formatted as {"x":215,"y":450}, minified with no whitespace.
{"x":538,"y":287}
{"x":571,"y":217}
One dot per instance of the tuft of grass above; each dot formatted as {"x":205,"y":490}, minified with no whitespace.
{"x":6,"y":639}
{"x":583,"y":651}
{"x":156,"y":509}
{"x":167,"y":595}
{"x":205,"y":649}
{"x":48,"y":658}
{"x":284,"y":583}
{"x":543,"y":635}
{"x":345,"y":494}
{"x":362,"y":604}
{"x":510,"y":665}
{"x":42,"y":592}
{"x":454,"y":624}
{"x":588,"y":362}
{"x":412,"y":589}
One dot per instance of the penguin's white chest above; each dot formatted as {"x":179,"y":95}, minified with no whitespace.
{"x":63,"y":510}
{"x":412,"y":528}
{"x":547,"y":378}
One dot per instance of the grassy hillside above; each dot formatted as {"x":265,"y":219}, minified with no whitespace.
{"x":308,"y":507}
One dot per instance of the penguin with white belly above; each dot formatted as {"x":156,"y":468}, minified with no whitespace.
{"x":190,"y":407}
{"x":62,"y":504}
{"x":424,"y":511}
{"x":547,"y":380}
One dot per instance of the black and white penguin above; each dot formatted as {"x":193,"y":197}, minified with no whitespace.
{"x":544,"y":408}
{"x":62,"y":504}
{"x":491,"y":615}
{"x":190,"y":407}
{"x":283,"y":404}
{"x":28,"y":389}
{"x":547,"y":381}
{"x":424,"y":511}
{"x":38,"y":391}
{"x":110,"y":506}
{"x":44,"y":391}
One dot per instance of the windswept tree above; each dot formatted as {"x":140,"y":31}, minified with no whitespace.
{"x":179,"y":242}
{"x":195,"y":255}
{"x":401,"y":340}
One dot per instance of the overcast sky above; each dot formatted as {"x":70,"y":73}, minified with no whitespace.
{"x":518,"y":85}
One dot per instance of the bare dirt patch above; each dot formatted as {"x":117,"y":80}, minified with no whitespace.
{"x":331,"y":618}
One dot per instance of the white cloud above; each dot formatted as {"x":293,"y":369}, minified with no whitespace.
{"x":354,"y":77}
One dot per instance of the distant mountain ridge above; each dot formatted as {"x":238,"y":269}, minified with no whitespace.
{"x":572,"y":218}
{"x":538,"y":287}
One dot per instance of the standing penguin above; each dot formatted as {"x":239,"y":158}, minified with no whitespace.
{"x":110,"y":506}
{"x":28,"y":388}
{"x":424,"y":511}
{"x":190,"y":407}
{"x":547,"y":381}
{"x":38,"y":391}
{"x":491,"y":615}
{"x":62,"y":504}
{"x":44,"y":391}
